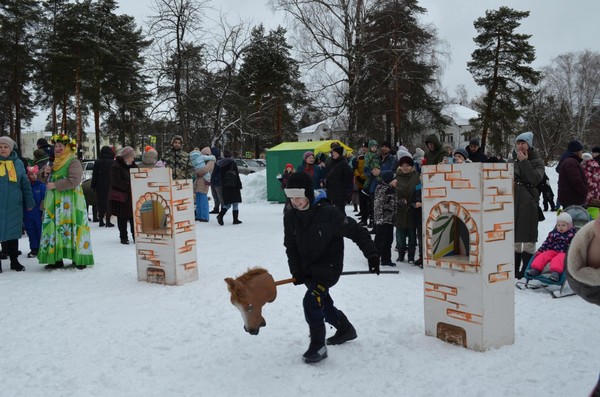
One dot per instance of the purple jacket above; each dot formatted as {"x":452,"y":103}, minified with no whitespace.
{"x":557,"y":241}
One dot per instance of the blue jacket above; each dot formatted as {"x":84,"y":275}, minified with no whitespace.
{"x":388,"y":171}
{"x":14,"y":196}
{"x":38,"y":190}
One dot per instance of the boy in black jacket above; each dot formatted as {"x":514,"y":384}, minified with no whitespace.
{"x":314,"y":231}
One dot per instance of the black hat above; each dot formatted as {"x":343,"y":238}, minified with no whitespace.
{"x":339,"y":149}
{"x":298,"y":181}
{"x":575,"y":146}
{"x":386,"y":144}
{"x":596,"y":149}
{"x":406,"y":160}
{"x":41,"y":142}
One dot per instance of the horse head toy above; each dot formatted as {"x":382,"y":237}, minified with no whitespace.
{"x":249,"y":293}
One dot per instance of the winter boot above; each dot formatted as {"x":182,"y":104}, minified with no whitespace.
{"x":214,"y":210}
{"x":533,"y":272}
{"x":518,"y":272}
{"x":221,"y":215}
{"x":13,"y":253}
{"x":401,"y":254}
{"x":411,"y":255}
{"x":56,"y":265}
{"x":236,"y":221}
{"x":0,"y":266}
{"x":317,"y":350}
{"x":526,"y":257}
{"x":345,"y":331}
{"x":554,"y":276}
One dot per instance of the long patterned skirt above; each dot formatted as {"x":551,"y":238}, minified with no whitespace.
{"x":65,"y":228}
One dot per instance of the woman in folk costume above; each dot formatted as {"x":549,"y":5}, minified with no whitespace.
{"x":65,"y":229}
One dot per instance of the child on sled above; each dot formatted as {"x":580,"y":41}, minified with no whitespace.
{"x":554,"y":249}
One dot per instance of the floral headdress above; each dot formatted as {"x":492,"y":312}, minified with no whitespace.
{"x":65,"y":140}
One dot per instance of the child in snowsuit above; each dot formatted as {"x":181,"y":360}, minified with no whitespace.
{"x":547,"y":194}
{"x":554,"y":249}
{"x":289,"y":170}
{"x":32,"y":219}
{"x":199,"y":160}
{"x":313,"y":238}
{"x":371,"y":162}
{"x":583,"y":267}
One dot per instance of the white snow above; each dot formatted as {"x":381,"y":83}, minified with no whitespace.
{"x":459,"y":114}
{"x":100,"y":332}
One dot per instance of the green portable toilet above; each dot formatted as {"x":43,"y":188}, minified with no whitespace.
{"x":291,"y":152}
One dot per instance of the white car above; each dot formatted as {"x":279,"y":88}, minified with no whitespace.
{"x":88,"y":168}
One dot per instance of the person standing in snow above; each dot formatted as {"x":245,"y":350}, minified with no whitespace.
{"x":231,"y":187}
{"x":313,"y":237}
{"x":528,"y":173}
{"x":572,"y":182}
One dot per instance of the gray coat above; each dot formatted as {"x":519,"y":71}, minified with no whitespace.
{"x":528,"y":175}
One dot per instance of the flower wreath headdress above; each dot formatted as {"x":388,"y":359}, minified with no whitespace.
{"x":65,"y":140}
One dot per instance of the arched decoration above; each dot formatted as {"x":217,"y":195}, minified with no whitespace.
{"x":153,"y":216}
{"x":451,"y":238}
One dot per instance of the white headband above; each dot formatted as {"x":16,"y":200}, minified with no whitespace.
{"x":295,"y":192}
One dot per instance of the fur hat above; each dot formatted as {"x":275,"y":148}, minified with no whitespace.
{"x":586,"y":156}
{"x":406,"y":160}
{"x":7,"y":141}
{"x":126,"y":151}
{"x":307,"y":155}
{"x":564,"y":217}
{"x":297,"y":182}
{"x":339,"y":150}
{"x":526,"y":137}
{"x":462,"y":152}
{"x":474,"y":141}
{"x":150,"y":156}
{"x":575,"y":146}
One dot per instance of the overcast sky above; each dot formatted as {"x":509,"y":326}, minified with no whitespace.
{"x":556,"y":26}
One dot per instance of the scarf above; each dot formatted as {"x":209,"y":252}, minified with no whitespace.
{"x":62,"y":159}
{"x":7,"y":166}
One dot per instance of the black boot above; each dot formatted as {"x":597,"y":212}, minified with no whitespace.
{"x":13,"y":253}
{"x":56,"y":265}
{"x":214,"y":210}
{"x":317,"y":350}
{"x":0,"y":266}
{"x":518,"y":271}
{"x":221,"y":215}
{"x":526,"y":257}
{"x":345,"y":331}
{"x":401,"y":254}
{"x":236,"y":221}
{"x":411,"y":255}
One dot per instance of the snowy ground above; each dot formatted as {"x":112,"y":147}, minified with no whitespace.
{"x":100,"y":332}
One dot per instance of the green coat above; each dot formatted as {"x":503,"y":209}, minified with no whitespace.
{"x":14,"y":198}
{"x":435,"y":156}
{"x":179,"y":163}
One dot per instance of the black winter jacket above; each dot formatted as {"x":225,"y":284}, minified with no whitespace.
{"x":101,"y":177}
{"x":314,"y":241}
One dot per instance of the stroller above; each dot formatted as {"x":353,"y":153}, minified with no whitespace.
{"x":580,"y":217}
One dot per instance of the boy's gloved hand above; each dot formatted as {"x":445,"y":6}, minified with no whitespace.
{"x":374,"y":264}
{"x":300,"y":278}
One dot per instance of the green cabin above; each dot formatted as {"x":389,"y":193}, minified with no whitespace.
{"x":291,"y":152}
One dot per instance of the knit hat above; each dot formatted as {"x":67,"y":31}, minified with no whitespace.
{"x":40,"y":157}
{"x":419,"y":153}
{"x":526,"y":137}
{"x":574,"y":146}
{"x":7,"y":141}
{"x":300,"y":185}
{"x":595,"y":149}
{"x":150,"y":156}
{"x":474,"y":141}
{"x":32,"y":170}
{"x":406,"y":160}
{"x":307,"y":155}
{"x":564,"y":217}
{"x":386,"y":144}
{"x":372,"y":143}
{"x":126,"y":151}
{"x":586,"y":156}
{"x":402,"y":152}
{"x":206,"y":151}
{"x":339,"y":150}
{"x":41,"y":142}
{"x":462,"y":152}
{"x":289,"y":165}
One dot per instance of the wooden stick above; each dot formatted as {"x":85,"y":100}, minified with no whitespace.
{"x":347,"y":273}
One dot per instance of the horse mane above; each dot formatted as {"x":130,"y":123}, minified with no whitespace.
{"x":236,"y":294}
{"x":251,"y":273}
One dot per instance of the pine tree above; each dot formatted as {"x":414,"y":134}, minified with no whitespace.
{"x":501,"y":65}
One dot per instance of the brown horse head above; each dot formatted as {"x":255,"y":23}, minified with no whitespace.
{"x":249,"y":293}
